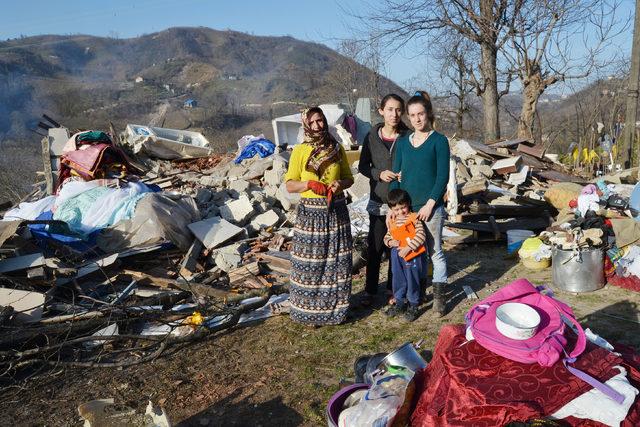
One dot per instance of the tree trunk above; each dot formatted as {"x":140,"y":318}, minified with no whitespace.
{"x":533,"y":88}
{"x":461,"y":100}
{"x":490,"y":93}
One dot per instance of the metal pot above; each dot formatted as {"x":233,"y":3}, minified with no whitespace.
{"x":406,"y":356}
{"x":578,"y":271}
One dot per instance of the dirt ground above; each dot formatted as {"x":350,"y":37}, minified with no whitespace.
{"x":278,"y":373}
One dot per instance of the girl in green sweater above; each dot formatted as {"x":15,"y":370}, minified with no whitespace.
{"x":422,"y":162}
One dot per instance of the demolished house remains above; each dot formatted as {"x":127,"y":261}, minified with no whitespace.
{"x":145,"y":239}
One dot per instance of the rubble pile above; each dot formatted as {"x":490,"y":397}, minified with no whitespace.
{"x":135,"y":248}
{"x":501,"y":187}
{"x":205,"y":248}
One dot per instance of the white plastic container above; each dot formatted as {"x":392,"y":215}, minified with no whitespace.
{"x":515,"y":239}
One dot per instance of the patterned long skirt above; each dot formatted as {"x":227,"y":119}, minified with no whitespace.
{"x":321,"y":263}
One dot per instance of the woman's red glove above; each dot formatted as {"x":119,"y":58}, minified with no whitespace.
{"x":317,"y":187}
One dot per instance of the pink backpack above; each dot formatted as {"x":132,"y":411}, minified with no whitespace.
{"x":547,"y":346}
{"x":549,"y":342}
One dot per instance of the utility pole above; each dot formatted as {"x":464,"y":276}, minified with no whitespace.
{"x":632,"y":93}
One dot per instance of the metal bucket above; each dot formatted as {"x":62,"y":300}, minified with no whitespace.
{"x":405,"y":356}
{"x":578,"y":271}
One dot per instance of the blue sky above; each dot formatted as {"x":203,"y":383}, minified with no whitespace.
{"x":319,"y":21}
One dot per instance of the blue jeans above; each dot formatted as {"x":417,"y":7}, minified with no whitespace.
{"x":434,"y":245}
{"x":406,"y":278}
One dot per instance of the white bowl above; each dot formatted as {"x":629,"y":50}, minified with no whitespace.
{"x":517,"y":321}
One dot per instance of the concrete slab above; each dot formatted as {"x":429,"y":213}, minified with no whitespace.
{"x":238,"y":211}
{"x":214,"y":231}
{"x":27,"y":305}
{"x":265,"y":220}
{"x":240,"y":186}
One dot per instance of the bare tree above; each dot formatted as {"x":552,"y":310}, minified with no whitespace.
{"x":484,"y":23}
{"x":542,"y":48}
{"x":457,"y":58}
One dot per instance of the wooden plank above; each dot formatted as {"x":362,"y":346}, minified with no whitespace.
{"x":46,"y":163}
{"x":190,"y":261}
{"x":557,"y":176}
{"x":157,"y":276}
{"x":239,"y":275}
{"x":494,"y":228}
{"x":474,"y":187}
{"x":517,"y":224}
{"x":485,"y":149}
{"x":509,"y":143}
{"x":21,"y":262}
{"x":506,"y":210}
{"x":277,"y":261}
{"x":535,"y":151}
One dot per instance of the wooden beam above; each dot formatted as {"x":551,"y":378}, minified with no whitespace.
{"x":46,"y":163}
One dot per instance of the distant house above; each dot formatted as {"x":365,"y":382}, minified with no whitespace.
{"x":190,"y":103}
{"x":139,"y":79}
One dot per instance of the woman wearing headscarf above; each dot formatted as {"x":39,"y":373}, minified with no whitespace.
{"x":321,"y":255}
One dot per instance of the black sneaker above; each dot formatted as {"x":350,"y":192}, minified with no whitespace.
{"x":412,"y":313}
{"x":395,"y":310}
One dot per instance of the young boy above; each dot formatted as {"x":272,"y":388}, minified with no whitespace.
{"x":406,"y":238}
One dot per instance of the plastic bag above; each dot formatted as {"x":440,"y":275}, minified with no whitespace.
{"x":157,"y":218}
{"x":380,"y":405}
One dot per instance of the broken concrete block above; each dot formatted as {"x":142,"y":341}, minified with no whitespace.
{"x":258,"y":196}
{"x":238,"y":211}
{"x":481,"y":171}
{"x":230,"y":257}
{"x":203,"y":195}
{"x":241,"y":186}
{"x":274,"y":176}
{"x":271,"y":191}
{"x":213,"y":181}
{"x":211,"y":211}
{"x":462,"y":149}
{"x":258,"y":168}
{"x":212,"y":232}
{"x":360,"y":187}
{"x":265,"y":220}
{"x":236,"y":171}
{"x":221,"y":198}
{"x":288,"y":200}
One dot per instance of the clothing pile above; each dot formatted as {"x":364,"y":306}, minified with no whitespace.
{"x":96,"y":200}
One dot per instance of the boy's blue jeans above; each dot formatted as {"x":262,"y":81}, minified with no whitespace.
{"x":406,"y":278}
